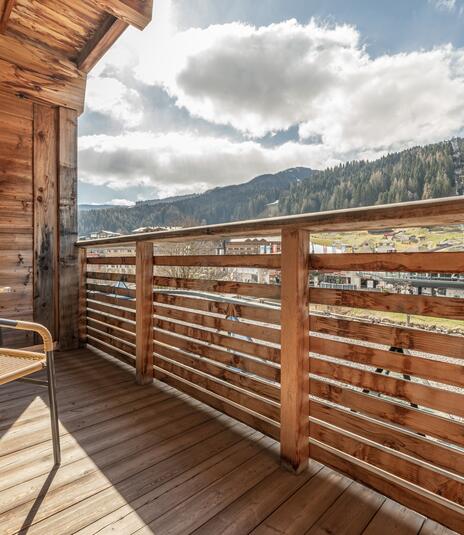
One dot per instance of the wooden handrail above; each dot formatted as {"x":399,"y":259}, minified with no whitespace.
{"x":449,"y":210}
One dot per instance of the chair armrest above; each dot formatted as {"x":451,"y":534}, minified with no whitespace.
{"x":30,"y":326}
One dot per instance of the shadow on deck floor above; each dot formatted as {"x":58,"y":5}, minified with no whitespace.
{"x":151,"y":460}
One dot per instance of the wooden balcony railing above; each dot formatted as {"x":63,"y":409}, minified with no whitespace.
{"x":372,"y":397}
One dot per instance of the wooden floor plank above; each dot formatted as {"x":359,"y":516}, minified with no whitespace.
{"x":394,"y":518}
{"x":153,"y":460}
{"x":82,"y":479}
{"x":351,"y":513}
{"x":206,"y":503}
{"x":430,"y":527}
{"x":305,"y":507}
{"x":215,"y":456}
{"x":251,"y":508}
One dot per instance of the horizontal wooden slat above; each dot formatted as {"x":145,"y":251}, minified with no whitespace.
{"x":247,"y":364}
{"x":413,"y":419}
{"x":114,"y":311}
{"x":111,"y":330}
{"x":111,"y":290}
{"x":269,"y":291}
{"x":434,"y":370}
{"x":406,"y":338}
{"x":252,"y":403}
{"x":423,"y":395}
{"x":432,"y":262}
{"x":263,"y":425}
{"x":118,"y":277}
{"x":118,"y":343}
{"x":392,"y":486}
{"x":422,"y":475}
{"x":264,"y":314}
{"x":390,"y":436}
{"x":111,"y":350}
{"x":111,"y":300}
{"x":269,"y":261}
{"x":244,"y":346}
{"x":111,"y":260}
{"x":236,"y":327}
{"x":226,"y":374}
{"x":110,"y":320}
{"x":420,"y":305}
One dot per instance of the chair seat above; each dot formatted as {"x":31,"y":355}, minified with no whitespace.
{"x":15,"y":363}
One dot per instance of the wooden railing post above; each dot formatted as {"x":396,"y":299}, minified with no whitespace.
{"x":294,"y":425}
{"x":82,"y":296}
{"x":144,"y":312}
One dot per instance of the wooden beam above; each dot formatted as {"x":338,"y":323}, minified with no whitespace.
{"x":8,"y":8}
{"x":135,"y":12}
{"x":101,"y":41}
{"x":45,"y":216}
{"x":144,"y":313}
{"x":429,"y":262}
{"x":68,"y":303}
{"x":39,"y":74}
{"x":294,"y":350}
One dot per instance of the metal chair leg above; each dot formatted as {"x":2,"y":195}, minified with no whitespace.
{"x":53,"y":408}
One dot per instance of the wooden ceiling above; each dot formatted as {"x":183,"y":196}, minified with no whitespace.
{"x":48,"y":46}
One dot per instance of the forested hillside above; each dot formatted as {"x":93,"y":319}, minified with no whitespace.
{"x":414,"y":174}
{"x":218,"y":205}
{"x":418,"y":173}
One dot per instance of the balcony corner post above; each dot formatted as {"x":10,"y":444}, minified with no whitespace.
{"x":294,"y":412}
{"x":144,"y":312}
{"x":82,"y":296}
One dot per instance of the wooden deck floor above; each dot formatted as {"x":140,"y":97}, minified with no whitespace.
{"x":151,"y":460}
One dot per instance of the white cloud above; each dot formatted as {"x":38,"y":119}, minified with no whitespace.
{"x":121,"y":202}
{"x":444,"y":5}
{"x":111,"y":97}
{"x":185,"y":162}
{"x":260,"y":80}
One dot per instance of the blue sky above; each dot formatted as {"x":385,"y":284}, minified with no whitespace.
{"x":214,"y":92}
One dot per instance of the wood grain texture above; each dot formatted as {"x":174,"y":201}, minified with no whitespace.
{"x":100,"y":42}
{"x":435,"y":370}
{"x":410,"y":496}
{"x":420,"y":305}
{"x":46,"y":217}
{"x":395,"y":437}
{"x":295,"y":346}
{"x":448,"y":430}
{"x":390,"y":335}
{"x":446,"y":262}
{"x":5,"y":14}
{"x":269,"y":291}
{"x":134,"y":12}
{"x":144,"y":312}
{"x":255,"y":312}
{"x":67,"y":216}
{"x":16,"y":211}
{"x":38,"y":74}
{"x":265,"y":352}
{"x":269,"y":261}
{"x":242,"y":328}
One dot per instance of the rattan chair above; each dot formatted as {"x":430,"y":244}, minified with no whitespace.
{"x":17,"y":364}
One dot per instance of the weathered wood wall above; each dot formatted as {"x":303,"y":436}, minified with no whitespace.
{"x":16,"y":215}
{"x":38,"y":218}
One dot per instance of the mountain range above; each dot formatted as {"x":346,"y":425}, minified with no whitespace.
{"x":426,"y":172}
